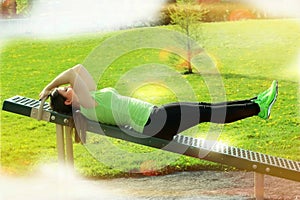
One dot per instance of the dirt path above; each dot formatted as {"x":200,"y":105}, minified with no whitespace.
{"x":58,"y":184}
{"x":204,"y":185}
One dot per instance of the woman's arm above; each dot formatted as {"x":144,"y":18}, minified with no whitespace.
{"x":81,"y":82}
{"x":86,"y":77}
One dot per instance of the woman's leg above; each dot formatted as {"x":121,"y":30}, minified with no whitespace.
{"x":171,"y":119}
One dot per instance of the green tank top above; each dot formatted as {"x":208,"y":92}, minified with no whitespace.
{"x":115,"y":109}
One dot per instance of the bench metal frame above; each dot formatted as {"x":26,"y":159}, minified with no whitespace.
{"x":259,"y":163}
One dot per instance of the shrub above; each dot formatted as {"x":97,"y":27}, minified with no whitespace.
{"x":221,"y":11}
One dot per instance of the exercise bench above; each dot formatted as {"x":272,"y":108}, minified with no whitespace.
{"x":260,"y":164}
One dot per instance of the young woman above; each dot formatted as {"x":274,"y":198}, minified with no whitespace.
{"x":109,"y":107}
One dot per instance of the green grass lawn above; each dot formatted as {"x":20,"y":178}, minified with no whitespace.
{"x":248,"y":54}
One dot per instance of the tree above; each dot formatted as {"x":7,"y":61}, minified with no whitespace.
{"x":187,"y":15}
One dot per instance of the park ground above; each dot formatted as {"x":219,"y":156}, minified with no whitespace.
{"x":248,"y":54}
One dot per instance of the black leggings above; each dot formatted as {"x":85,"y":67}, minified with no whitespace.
{"x":168,"y":120}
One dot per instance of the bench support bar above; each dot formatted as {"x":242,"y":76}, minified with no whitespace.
{"x":259,"y":186}
{"x":64,"y":145}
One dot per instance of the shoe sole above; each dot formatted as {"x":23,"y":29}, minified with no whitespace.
{"x":275,"y":98}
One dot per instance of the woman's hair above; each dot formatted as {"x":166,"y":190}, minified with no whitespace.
{"x":57,"y":103}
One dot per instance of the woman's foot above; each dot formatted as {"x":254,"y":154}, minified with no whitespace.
{"x":266,"y":99}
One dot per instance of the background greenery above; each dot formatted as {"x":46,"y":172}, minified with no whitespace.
{"x":214,"y":12}
{"x":249,"y":55}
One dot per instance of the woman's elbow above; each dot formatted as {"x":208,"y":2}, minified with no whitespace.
{"x":78,"y":68}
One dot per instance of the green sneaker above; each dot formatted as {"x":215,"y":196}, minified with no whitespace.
{"x":264,"y":93}
{"x":266,"y":99}
{"x":261,"y":95}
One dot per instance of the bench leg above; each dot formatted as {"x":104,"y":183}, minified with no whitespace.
{"x":60,"y":144}
{"x":69,"y":146}
{"x":259,"y":186}
{"x":64,"y":144}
